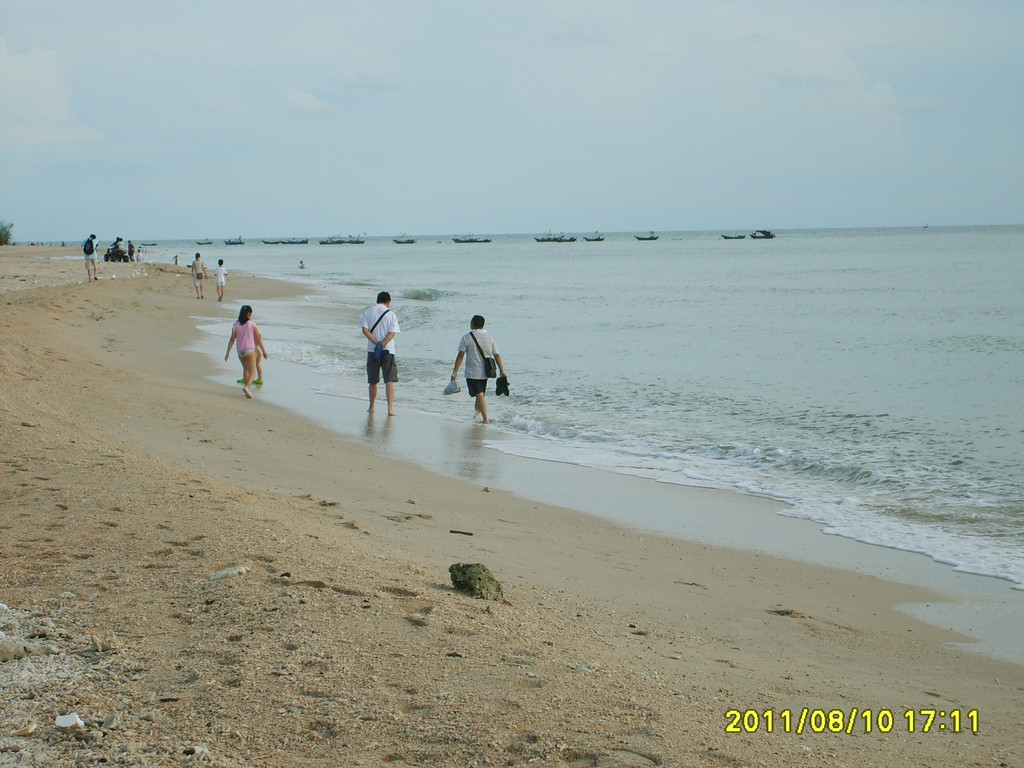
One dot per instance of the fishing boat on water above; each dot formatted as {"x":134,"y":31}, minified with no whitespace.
{"x":762,"y":234}
{"x":470,"y":239}
{"x":339,"y":240}
{"x":204,"y":242}
{"x":595,"y":238}
{"x":148,"y":245}
{"x":649,"y":236}
{"x":404,"y":239}
{"x":288,"y":241}
{"x":237,"y":241}
{"x":733,"y":237}
{"x":560,"y":238}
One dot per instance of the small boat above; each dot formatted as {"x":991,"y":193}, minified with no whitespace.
{"x":339,"y":240}
{"x":148,"y":245}
{"x":733,"y":237}
{"x":470,"y":239}
{"x":595,"y":239}
{"x":404,"y":240}
{"x":295,"y":241}
{"x":204,"y":242}
{"x":562,"y":238}
{"x":649,"y":236}
{"x":237,"y":241}
{"x":271,"y":242}
{"x":761,"y":234}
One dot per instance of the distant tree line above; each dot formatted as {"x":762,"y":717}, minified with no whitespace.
{"x":5,"y":232}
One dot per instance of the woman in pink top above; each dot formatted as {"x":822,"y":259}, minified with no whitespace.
{"x":248,"y":338}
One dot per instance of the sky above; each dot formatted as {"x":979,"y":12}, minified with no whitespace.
{"x":218,"y":118}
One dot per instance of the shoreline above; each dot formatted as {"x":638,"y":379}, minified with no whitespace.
{"x":986,"y":609}
{"x":131,"y":479}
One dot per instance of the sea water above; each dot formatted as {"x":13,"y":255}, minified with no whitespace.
{"x":870,"y":378}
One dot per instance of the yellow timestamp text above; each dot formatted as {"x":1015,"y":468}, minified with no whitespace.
{"x":854,"y":720}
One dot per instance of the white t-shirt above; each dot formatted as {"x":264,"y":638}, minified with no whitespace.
{"x":386,"y":326}
{"x":221,"y":273}
{"x":474,"y":361}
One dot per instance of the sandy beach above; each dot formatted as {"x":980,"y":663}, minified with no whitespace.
{"x":332,"y":634}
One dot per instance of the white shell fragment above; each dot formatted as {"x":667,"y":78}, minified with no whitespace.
{"x":70,"y":720}
{"x":227,"y":573}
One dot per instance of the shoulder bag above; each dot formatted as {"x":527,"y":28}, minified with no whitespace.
{"x":490,"y":364}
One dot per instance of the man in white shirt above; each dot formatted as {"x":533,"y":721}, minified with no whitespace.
{"x":379,"y":326}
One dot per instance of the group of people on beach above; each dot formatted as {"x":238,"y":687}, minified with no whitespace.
{"x":476,"y":348}
{"x":379,"y":325}
{"x":116,"y":251}
{"x":199,"y":276}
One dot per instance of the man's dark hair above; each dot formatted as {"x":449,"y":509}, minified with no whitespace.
{"x":477,"y":321}
{"x":383,"y":297}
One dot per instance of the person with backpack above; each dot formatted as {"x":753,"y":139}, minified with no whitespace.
{"x":89,"y":249}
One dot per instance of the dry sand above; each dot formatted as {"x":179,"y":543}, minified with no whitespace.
{"x":127,"y":478}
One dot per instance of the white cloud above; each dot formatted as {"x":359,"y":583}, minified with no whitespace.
{"x":303,"y":101}
{"x":35,"y":102}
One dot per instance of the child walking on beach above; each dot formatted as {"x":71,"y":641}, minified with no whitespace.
{"x":258,"y":381}
{"x":248,"y":338}
{"x":222,"y":275}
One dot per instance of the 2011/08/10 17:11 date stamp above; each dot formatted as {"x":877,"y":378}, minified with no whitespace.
{"x":855,"y":720}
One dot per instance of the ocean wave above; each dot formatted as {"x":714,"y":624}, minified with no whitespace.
{"x":953,"y":536}
{"x":424,"y":294}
